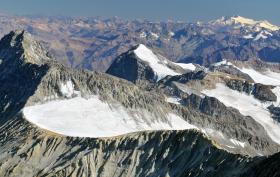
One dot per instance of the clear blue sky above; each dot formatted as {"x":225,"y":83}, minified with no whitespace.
{"x":185,"y":10}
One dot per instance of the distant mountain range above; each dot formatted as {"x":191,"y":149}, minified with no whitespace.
{"x":93,"y":43}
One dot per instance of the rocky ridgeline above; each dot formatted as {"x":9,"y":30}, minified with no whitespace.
{"x":260,"y":91}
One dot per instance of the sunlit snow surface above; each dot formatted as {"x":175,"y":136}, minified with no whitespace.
{"x":174,"y":100}
{"x":94,"y":118}
{"x":263,"y":24}
{"x":238,"y":143}
{"x":248,"y":106}
{"x":267,"y":78}
{"x":188,"y":66}
{"x":158,"y":66}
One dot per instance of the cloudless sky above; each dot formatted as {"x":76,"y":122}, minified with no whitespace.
{"x":184,"y":10}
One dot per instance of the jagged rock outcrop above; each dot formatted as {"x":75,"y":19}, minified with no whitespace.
{"x":240,"y":85}
{"x":260,"y":91}
{"x":184,"y":78}
{"x":275,"y":112}
{"x":264,"y":93}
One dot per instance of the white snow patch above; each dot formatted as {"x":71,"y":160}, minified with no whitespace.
{"x":249,"y":36}
{"x":260,"y":36}
{"x":174,"y":100}
{"x":243,"y":20}
{"x":248,"y":106}
{"x":156,"y":36}
{"x":82,"y":24}
{"x":263,"y":35}
{"x":188,"y":66}
{"x":67,"y":89}
{"x":238,"y":143}
{"x":93,"y":118}
{"x":189,"y":90}
{"x":224,"y":62}
{"x":230,"y":146}
{"x":159,"y":67}
{"x":143,"y":35}
{"x":171,"y":33}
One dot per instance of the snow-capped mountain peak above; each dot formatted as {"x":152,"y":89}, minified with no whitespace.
{"x":243,"y":21}
{"x":159,"y":65}
{"x":21,"y":46}
{"x":247,"y":21}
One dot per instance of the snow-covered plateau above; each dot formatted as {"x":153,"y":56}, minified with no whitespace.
{"x":94,"y":118}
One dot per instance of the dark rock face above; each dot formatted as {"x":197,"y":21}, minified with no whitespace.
{"x":127,"y":66}
{"x":240,"y":85}
{"x":260,"y":91}
{"x":208,"y":105}
{"x":184,"y":78}
{"x":169,"y":83}
{"x":270,"y":54}
{"x":19,"y":77}
{"x":275,"y":112}
{"x":264,"y":93}
{"x":265,"y":167}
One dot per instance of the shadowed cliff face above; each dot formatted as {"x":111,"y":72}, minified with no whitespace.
{"x":266,"y":167}
{"x":128,"y":67}
{"x":19,"y":75}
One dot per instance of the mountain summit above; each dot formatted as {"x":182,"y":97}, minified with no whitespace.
{"x":20,"y":45}
{"x":239,"y":20}
{"x":141,"y":63}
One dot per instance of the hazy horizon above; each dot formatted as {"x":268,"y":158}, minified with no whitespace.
{"x":156,"y":10}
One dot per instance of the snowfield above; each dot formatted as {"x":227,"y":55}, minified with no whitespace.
{"x":246,"y":21}
{"x":248,"y":106}
{"x":174,"y":100}
{"x":238,"y":143}
{"x":159,"y":67}
{"x":91,"y":117}
{"x":267,"y":78}
{"x":188,"y":66}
